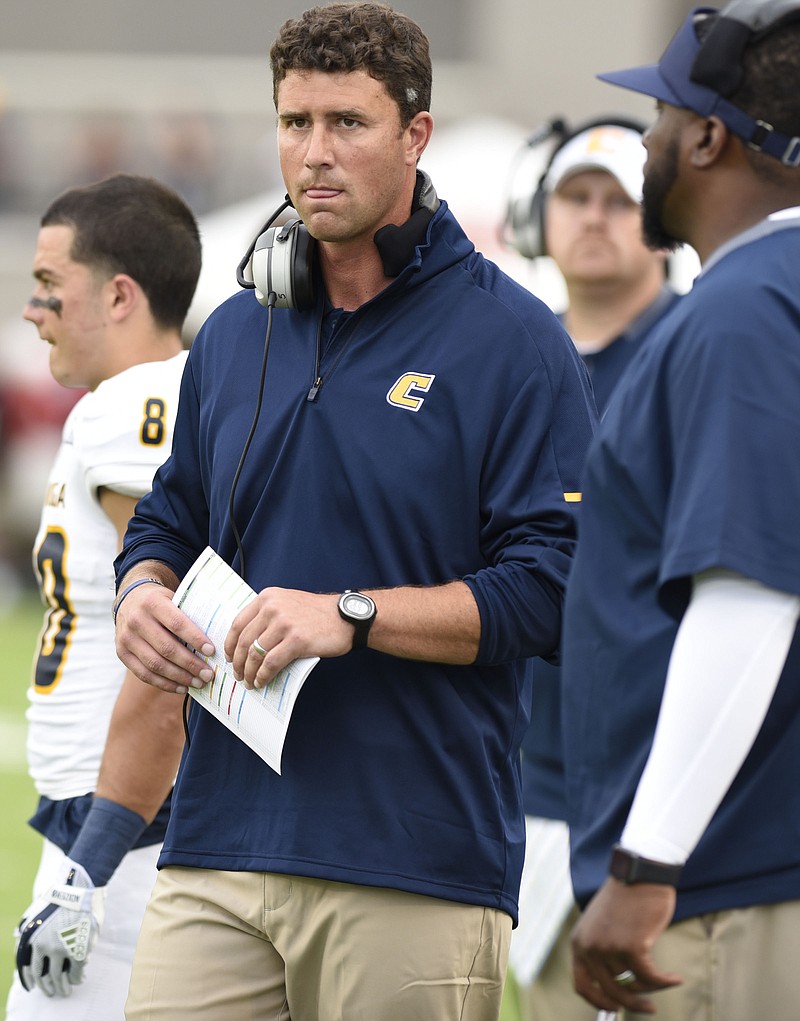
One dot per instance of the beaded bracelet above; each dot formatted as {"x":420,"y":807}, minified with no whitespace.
{"x":127,"y":591}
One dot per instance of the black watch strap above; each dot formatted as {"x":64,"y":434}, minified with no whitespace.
{"x":361,"y":633}
{"x":359,"y":610}
{"x":628,"y":867}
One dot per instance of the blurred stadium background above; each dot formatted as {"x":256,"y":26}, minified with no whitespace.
{"x":183,"y":92}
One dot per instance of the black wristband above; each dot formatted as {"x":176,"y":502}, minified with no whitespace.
{"x":628,"y":867}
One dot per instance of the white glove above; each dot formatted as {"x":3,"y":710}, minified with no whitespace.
{"x":58,"y":931}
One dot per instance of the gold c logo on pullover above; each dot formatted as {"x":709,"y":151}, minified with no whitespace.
{"x":401,"y":394}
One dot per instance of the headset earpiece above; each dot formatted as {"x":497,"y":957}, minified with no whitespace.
{"x":521,"y":228}
{"x":279,"y":264}
{"x":283,"y":265}
{"x":719,"y":62}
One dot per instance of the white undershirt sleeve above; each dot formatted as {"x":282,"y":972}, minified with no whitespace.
{"x":725,"y":664}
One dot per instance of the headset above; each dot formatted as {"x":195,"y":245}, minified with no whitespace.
{"x":520,"y":229}
{"x":279,"y":264}
{"x":718,"y":67}
{"x":523,"y":226}
{"x":718,"y":64}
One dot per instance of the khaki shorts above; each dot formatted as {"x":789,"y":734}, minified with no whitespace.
{"x":230,"y":946}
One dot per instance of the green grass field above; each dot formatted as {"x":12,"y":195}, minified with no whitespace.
{"x":19,"y":845}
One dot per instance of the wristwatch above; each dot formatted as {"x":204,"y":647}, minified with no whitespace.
{"x":360,"y":611}
{"x":628,"y":867}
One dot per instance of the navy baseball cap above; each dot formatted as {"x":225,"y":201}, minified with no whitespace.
{"x":674,"y":80}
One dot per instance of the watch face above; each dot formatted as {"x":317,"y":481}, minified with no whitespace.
{"x":356,"y":605}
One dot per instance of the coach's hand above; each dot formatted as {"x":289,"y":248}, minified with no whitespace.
{"x":156,"y":640}
{"x":612,"y":946}
{"x":58,"y":931}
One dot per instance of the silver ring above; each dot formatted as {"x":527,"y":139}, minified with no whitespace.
{"x":625,"y":978}
{"x":259,"y":647}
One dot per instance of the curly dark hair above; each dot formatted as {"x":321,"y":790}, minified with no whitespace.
{"x":367,"y":36}
{"x":138,"y":226}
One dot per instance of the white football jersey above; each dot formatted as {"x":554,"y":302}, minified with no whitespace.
{"x":115,"y":437}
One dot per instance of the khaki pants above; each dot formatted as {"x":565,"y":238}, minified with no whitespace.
{"x":235,"y":946}
{"x":741,"y":965}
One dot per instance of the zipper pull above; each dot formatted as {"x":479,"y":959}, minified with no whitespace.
{"x":312,"y":393}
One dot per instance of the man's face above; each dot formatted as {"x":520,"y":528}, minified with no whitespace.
{"x":594,"y":230}
{"x":662,"y":141}
{"x":345,"y":159}
{"x":76,"y":331}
